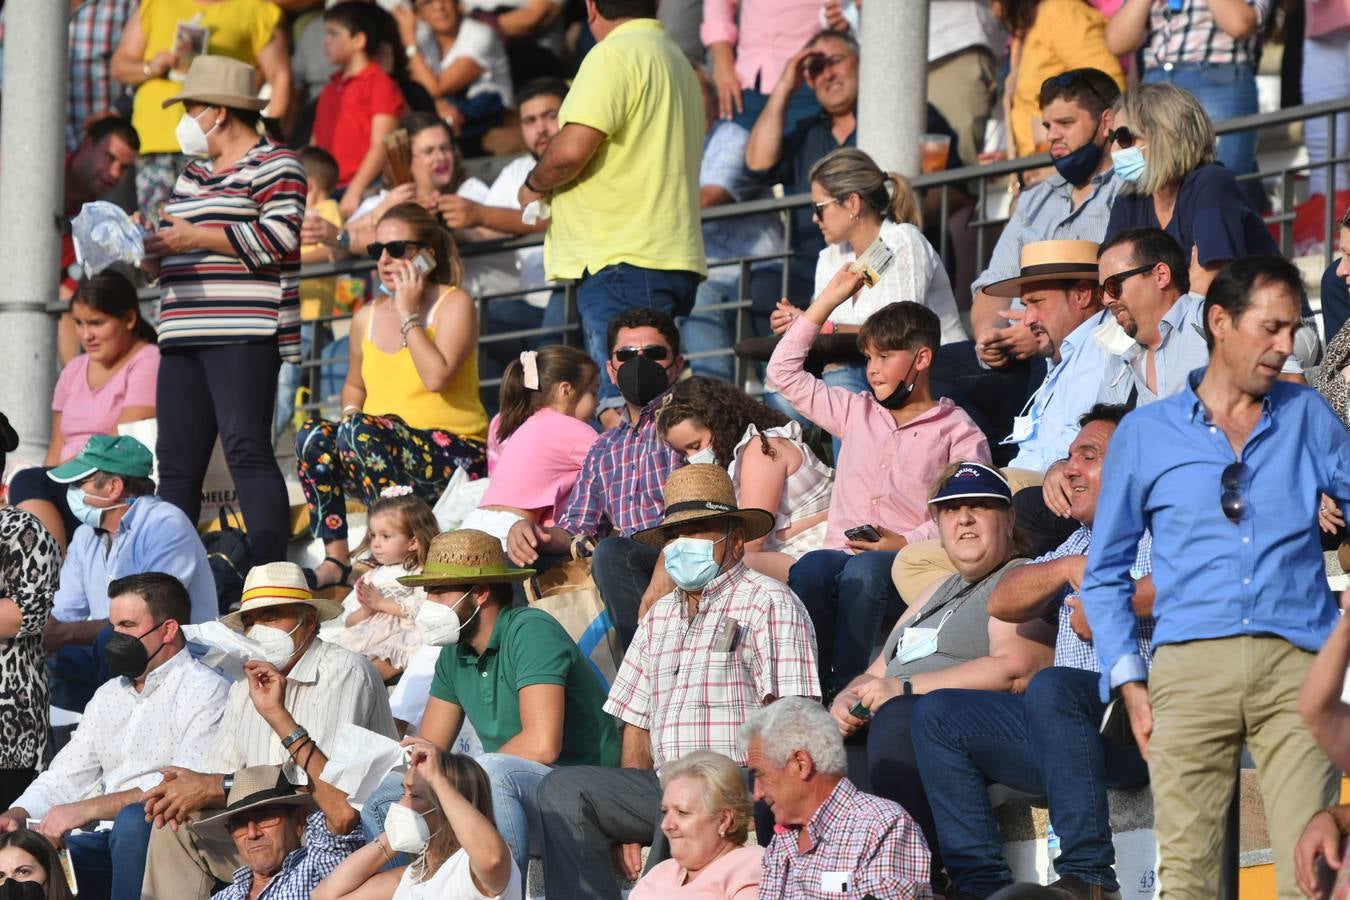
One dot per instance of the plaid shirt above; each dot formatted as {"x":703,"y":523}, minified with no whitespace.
{"x":691,"y":696}
{"x":95,"y":28}
{"x":1184,"y":31}
{"x":1070,"y":650}
{"x":304,"y":867}
{"x":859,"y":844}
{"x":621,"y":481}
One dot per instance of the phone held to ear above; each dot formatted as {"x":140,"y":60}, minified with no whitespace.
{"x":423,"y":263}
{"x":863,"y":533}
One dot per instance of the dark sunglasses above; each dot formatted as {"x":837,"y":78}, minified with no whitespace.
{"x":396,"y":249}
{"x":819,"y":62}
{"x":654,"y":352}
{"x":1122,"y":137}
{"x":1074,"y":77}
{"x":1111,"y":286}
{"x":1232,"y":498}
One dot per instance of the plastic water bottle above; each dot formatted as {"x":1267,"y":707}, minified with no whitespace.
{"x":1051,"y":849}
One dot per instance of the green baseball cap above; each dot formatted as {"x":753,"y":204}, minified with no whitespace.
{"x":120,"y":455}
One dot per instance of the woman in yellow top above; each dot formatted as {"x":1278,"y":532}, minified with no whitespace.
{"x":153,"y":56}
{"x":410,"y":408}
{"x":1048,"y":37}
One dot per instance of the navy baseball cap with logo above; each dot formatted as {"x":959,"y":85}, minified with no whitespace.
{"x":973,"y":481}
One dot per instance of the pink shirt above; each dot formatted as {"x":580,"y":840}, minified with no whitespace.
{"x":884,"y":470}
{"x":85,"y":412}
{"x":770,"y":31}
{"x":1325,"y":17}
{"x":538,"y":464}
{"x":732,"y":877}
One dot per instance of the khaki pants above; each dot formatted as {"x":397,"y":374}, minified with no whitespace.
{"x":183,"y":864}
{"x":964,"y":89}
{"x":1208,"y":697}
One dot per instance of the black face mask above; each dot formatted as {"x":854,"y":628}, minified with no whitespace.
{"x":900,"y":395}
{"x":641,"y":381}
{"x":127,"y":656}
{"x":24,"y":890}
{"x":1078,"y":166}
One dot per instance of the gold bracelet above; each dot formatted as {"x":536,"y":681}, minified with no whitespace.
{"x":379,"y":842}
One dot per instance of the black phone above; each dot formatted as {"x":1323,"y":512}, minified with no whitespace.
{"x":859,"y":711}
{"x":862,"y":533}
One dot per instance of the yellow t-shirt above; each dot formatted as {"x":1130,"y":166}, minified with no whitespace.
{"x":637,"y":199}
{"x":317,"y":294}
{"x":235,"y":28}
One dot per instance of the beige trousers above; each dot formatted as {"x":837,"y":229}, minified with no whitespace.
{"x":964,"y":88}
{"x":1208,"y":697}
{"x":183,"y":864}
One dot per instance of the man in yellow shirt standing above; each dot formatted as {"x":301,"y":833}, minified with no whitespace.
{"x":621,"y":178}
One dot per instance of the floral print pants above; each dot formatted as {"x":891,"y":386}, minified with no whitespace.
{"x":363,"y":454}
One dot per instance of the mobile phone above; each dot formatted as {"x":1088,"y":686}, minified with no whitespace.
{"x":862,"y":533}
{"x":859,"y":711}
{"x":422,"y":262}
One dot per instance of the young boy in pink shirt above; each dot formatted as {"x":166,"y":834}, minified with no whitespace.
{"x":896,"y":440}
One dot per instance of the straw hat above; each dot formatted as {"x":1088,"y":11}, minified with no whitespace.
{"x":278,"y":584}
{"x":704,"y":491}
{"x":1050,"y":261}
{"x":220,"y":81}
{"x":254,"y":786}
{"x":466,"y":556}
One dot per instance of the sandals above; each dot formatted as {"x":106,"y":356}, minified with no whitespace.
{"x":344,"y":580}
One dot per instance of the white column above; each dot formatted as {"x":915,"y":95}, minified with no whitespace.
{"x":893,"y":82}
{"x":32,"y":157}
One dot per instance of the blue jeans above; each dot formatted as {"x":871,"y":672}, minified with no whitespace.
{"x":623,"y":568}
{"x":851,"y":377}
{"x":1044,"y":742}
{"x":603,"y":295}
{"x":77,"y":670}
{"x":111,"y":864}
{"x":847,"y":596}
{"x":705,"y":330}
{"x":892,"y":769}
{"x":515,"y":803}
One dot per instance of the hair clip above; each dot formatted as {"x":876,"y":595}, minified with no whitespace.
{"x":529,"y":364}
{"x":396,"y":490}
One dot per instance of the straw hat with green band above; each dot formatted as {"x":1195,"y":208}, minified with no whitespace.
{"x":278,"y":584}
{"x":703,"y":491}
{"x":465,"y":557}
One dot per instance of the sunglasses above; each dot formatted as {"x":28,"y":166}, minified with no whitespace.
{"x":819,"y":62}
{"x":263,"y":818}
{"x":654,"y":352}
{"x":1122,"y":136}
{"x":1068,"y":80}
{"x":1231,"y":497}
{"x":396,"y":249}
{"x":1111,"y":287}
{"x":818,"y":209}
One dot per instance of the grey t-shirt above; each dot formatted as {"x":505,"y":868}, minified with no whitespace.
{"x":964,"y":637}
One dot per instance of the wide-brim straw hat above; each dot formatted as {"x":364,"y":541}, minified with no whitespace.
{"x":254,"y":786}
{"x":466,"y":556}
{"x":1050,"y":261}
{"x":278,"y":584}
{"x":704,"y":491}
{"x":220,"y":81}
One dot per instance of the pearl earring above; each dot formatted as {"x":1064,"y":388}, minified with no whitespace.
{"x":721,"y":832}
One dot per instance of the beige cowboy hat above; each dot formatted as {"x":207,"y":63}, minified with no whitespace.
{"x":253,"y":787}
{"x":1050,"y":261}
{"x":220,"y":81}
{"x":278,"y":584}
{"x":704,"y":491}
{"x":466,"y":556}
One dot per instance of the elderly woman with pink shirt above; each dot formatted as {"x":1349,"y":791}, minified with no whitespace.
{"x":112,"y":381}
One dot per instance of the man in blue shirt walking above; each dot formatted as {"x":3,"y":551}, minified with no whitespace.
{"x":1227,"y":475}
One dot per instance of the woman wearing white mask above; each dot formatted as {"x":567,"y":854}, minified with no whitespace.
{"x":444,"y":821}
{"x":227,"y":252}
{"x":946,"y":639}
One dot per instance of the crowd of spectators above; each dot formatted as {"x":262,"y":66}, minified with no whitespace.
{"x":1062,"y":524}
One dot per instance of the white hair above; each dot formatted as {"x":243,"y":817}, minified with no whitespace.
{"x":796,"y":723}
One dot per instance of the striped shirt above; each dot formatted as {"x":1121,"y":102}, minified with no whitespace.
{"x":1184,"y":31}
{"x":676,"y":683}
{"x":1070,"y":649}
{"x":95,"y":28}
{"x":214,"y":298}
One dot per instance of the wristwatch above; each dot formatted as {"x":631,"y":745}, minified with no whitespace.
{"x":344,"y":240}
{"x":290,"y":740}
{"x":907,"y":686}
{"x":227,"y":784}
{"x":410,"y":50}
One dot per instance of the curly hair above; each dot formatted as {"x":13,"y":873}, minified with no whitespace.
{"x":723,"y":409}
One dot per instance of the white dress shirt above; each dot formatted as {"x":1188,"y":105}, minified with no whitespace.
{"x":126,"y":737}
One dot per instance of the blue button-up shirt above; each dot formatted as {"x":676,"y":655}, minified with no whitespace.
{"x":1263,"y":575}
{"x":1181,"y":351}
{"x":1069,"y":390}
{"x":153,"y":536}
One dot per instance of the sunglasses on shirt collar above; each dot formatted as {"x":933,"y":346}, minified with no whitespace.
{"x":654,"y":352}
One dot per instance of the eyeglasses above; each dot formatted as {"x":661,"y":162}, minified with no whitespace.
{"x":263,"y":818}
{"x":818,"y":209}
{"x":1232,"y":498}
{"x":1111,"y":287}
{"x":654,"y":352}
{"x":1067,"y":80}
{"x":396,"y":249}
{"x":1121,"y":136}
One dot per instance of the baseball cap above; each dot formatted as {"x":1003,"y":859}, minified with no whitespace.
{"x":117,"y":455}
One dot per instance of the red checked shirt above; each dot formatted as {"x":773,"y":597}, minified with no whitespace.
{"x":858,"y":844}
{"x":692,"y":687}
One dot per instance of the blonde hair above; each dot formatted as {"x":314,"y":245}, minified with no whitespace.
{"x":471,"y":782}
{"x":848,"y":170}
{"x":1179,"y":133}
{"x":415,"y":520}
{"x":429,"y":231}
{"x":723,"y":788}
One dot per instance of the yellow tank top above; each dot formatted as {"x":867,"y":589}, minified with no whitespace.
{"x":393,"y":388}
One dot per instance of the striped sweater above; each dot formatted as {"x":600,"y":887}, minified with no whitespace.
{"x":210,"y":298}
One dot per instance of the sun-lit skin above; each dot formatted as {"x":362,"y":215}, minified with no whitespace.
{"x":1087,"y":454}
{"x":1254,"y":347}
{"x":976,"y":533}
{"x":689,"y":827}
{"x":266,"y":835}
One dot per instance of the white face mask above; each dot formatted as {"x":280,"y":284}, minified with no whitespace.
{"x":439,"y":624}
{"x":191,"y":137}
{"x":704,"y":456}
{"x":406,"y":829}
{"x":275,"y":645}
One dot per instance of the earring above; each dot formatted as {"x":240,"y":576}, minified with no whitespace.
{"x":721,"y":832}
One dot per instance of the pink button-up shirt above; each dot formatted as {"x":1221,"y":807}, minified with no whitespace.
{"x":770,"y":31}
{"x":884,"y":470}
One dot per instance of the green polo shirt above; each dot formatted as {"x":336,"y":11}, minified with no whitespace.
{"x":527,"y":647}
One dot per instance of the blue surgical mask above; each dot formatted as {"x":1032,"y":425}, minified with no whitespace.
{"x":1130,"y":164}
{"x":690,"y":562}
{"x":702,"y":457}
{"x":80,"y":508}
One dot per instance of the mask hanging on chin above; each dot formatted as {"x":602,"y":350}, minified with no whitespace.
{"x":641,"y":381}
{"x":1078,"y":166}
{"x":900,"y":396}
